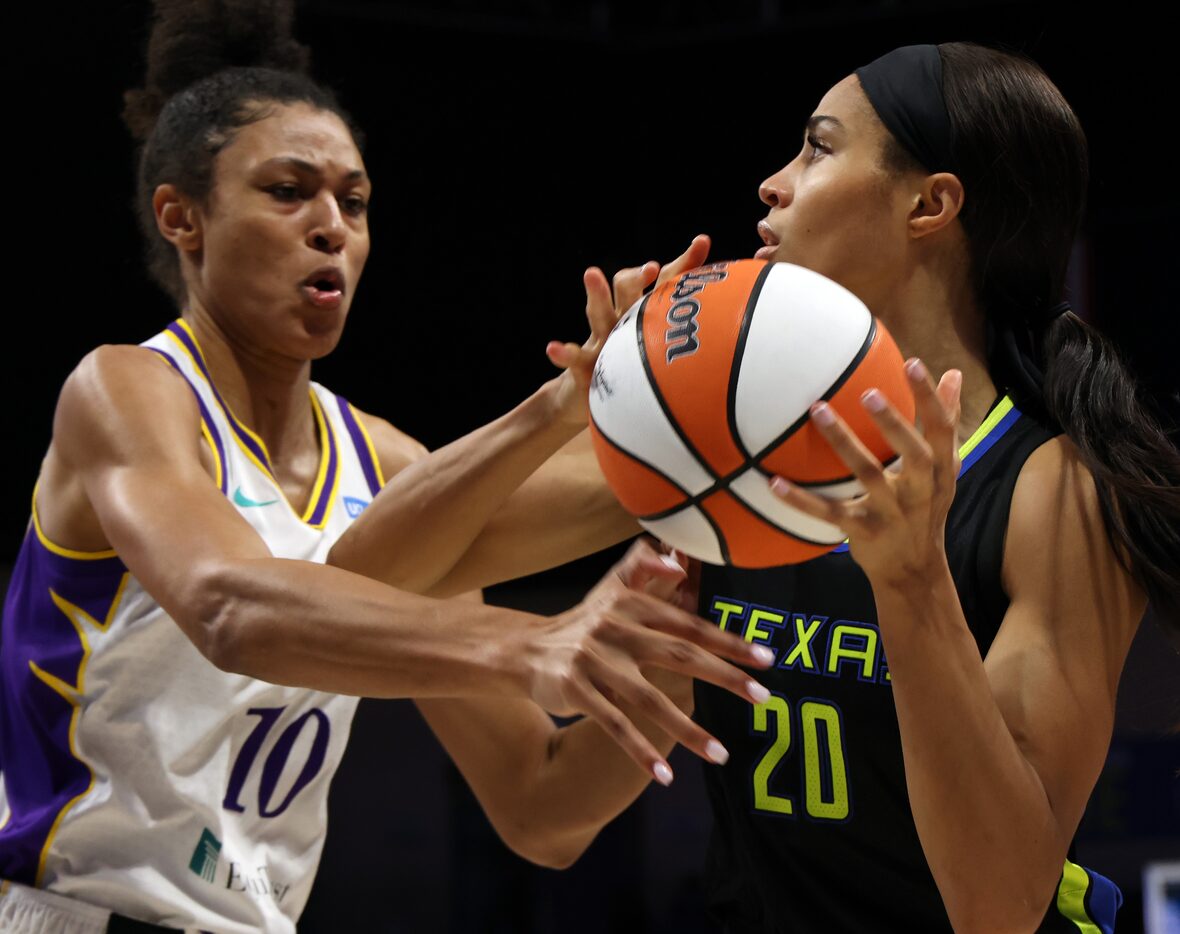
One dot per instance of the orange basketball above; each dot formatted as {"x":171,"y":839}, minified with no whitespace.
{"x":701,"y":395}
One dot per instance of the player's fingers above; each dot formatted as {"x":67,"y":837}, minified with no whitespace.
{"x":619,"y":727}
{"x":646,"y":699}
{"x":834,"y":512}
{"x":851,"y":450}
{"x":643,"y":565}
{"x":694,"y":256}
{"x":563,"y":355}
{"x":939,"y":418}
{"x":600,"y":309}
{"x":664,"y":618}
{"x":914,"y":449}
{"x":630,"y":283}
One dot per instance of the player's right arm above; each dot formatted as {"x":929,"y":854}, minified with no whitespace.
{"x":124,"y":471}
{"x":520,"y":494}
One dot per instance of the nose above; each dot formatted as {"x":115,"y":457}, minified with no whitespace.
{"x":776,"y":190}
{"x":328,"y":231}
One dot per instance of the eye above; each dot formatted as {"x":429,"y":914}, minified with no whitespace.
{"x":355,"y":205}
{"x":818,"y":146}
{"x":285,"y":191}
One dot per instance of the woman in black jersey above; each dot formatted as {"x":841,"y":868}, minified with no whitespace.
{"x":943,"y":690}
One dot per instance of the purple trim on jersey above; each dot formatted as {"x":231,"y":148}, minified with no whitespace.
{"x":986,"y":442}
{"x":248,"y":442}
{"x":206,"y":418}
{"x":325,"y":501}
{"x":985,"y":445}
{"x":360,"y":445}
{"x":41,"y":774}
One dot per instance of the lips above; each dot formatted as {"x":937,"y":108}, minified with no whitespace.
{"x":325,"y":287}
{"x":769,"y":237}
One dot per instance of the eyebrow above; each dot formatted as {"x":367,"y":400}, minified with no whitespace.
{"x":305,"y":166}
{"x":815,"y":121}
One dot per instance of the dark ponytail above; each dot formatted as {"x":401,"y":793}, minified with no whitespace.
{"x":213,"y":67}
{"x":1022,"y":157}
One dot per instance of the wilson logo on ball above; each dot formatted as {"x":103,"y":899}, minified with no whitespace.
{"x":689,"y":431}
{"x":682,"y":316}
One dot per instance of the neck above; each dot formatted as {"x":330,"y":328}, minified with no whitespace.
{"x":934,"y":316}
{"x":267,"y":392}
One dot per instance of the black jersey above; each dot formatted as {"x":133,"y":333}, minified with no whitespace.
{"x":812,"y":824}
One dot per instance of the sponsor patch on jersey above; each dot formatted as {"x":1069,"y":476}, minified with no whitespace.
{"x":355,"y":506}
{"x":205,"y":856}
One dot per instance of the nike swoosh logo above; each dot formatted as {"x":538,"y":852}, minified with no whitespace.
{"x":241,"y":499}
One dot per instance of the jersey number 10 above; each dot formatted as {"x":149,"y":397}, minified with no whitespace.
{"x":276,"y":760}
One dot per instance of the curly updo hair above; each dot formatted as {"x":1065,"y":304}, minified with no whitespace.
{"x":213,"y":67}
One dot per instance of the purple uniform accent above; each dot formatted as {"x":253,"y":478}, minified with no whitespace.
{"x":209,"y":423}
{"x":248,"y":442}
{"x":321,"y":508}
{"x":360,"y":444}
{"x":41,"y":774}
{"x":977,"y":452}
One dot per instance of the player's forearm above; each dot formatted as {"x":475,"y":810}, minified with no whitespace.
{"x":993,"y":842}
{"x":426,"y":518}
{"x":297,"y":623}
{"x":581,"y":783}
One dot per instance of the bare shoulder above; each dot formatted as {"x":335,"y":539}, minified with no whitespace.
{"x":109,"y":409}
{"x":1060,"y":564}
{"x":395,"y":449}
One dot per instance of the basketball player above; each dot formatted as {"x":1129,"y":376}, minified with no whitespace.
{"x":179,"y":667}
{"x":943,"y":690}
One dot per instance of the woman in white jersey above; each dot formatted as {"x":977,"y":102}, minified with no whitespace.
{"x":179,"y":666}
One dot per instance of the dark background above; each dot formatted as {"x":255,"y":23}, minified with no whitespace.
{"x":512,"y":144}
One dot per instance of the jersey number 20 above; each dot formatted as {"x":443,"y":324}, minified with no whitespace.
{"x":825,"y":785}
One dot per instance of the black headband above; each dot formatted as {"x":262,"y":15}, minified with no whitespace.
{"x":905,"y":88}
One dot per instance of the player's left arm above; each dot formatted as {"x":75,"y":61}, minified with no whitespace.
{"x":548,"y":791}
{"x":1000,"y":754}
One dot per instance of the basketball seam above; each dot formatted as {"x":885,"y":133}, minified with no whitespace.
{"x":738,"y":355}
{"x":655,"y":388}
{"x":722,"y":545}
{"x":721,"y":484}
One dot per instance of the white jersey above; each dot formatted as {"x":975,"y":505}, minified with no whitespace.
{"x":138,"y":777}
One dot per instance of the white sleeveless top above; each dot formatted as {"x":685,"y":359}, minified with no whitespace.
{"x":137,"y":776}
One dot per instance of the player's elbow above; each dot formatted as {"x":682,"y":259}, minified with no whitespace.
{"x":546,"y":849}
{"x":219,"y":616}
{"x":984,"y":913}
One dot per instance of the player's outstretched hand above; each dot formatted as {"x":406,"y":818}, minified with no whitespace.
{"x":898,"y":527}
{"x":588,"y":659}
{"x":605,"y":303}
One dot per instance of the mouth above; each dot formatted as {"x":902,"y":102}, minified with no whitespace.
{"x":770,"y":238}
{"x":325,"y":287}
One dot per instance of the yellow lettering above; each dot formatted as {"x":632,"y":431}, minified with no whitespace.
{"x":727,"y":610}
{"x":866,"y":654}
{"x":805,"y":630}
{"x":757,"y":616}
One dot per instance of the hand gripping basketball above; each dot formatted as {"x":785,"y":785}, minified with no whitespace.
{"x":603,"y":309}
{"x":588,"y":660}
{"x":898,"y":528}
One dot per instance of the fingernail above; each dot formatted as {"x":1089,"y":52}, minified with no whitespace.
{"x":955,"y":378}
{"x":822,"y":414}
{"x":762,"y":654}
{"x":716,"y":752}
{"x":916,"y":368}
{"x":662,"y":773}
{"x":780,"y":486}
{"x":873,"y":401}
{"x":757,"y":692}
{"x":671,"y":563}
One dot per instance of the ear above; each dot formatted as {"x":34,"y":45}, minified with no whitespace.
{"x":936,"y":204}
{"x":178,"y":218}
